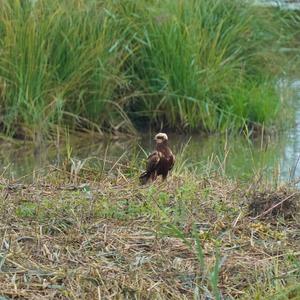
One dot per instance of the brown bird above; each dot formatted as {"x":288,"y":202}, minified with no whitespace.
{"x":160,"y":162}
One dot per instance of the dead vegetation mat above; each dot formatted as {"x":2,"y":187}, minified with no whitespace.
{"x":113,"y":239}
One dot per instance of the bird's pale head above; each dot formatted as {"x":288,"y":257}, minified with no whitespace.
{"x":161,"y":138}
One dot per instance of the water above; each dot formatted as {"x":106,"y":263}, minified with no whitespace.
{"x":282,"y":4}
{"x":273,"y":157}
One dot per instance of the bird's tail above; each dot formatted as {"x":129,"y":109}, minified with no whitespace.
{"x":144,"y":177}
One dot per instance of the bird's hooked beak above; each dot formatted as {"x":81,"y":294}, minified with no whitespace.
{"x":159,"y":141}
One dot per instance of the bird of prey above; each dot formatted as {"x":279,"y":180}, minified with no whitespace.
{"x":160,"y":162}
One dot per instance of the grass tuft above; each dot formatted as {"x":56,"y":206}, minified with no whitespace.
{"x":106,"y":65}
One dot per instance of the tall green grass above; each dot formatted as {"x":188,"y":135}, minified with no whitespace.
{"x":60,"y":63}
{"x":208,"y":64}
{"x":91,"y":64}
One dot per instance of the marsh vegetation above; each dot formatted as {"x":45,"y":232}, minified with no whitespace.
{"x":75,"y":223}
{"x":118,"y":66}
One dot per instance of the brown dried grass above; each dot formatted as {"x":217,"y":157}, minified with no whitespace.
{"x":113,"y":239}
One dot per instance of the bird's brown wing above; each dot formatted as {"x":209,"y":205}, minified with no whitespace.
{"x":171,"y":161}
{"x":153,"y":160}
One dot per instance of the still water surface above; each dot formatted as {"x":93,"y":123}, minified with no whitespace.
{"x":276,"y":156}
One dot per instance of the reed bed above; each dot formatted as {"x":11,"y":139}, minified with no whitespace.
{"x":121,"y":65}
{"x":209,"y":65}
{"x":193,"y":237}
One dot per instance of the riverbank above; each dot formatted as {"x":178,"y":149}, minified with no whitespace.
{"x":76,"y":237}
